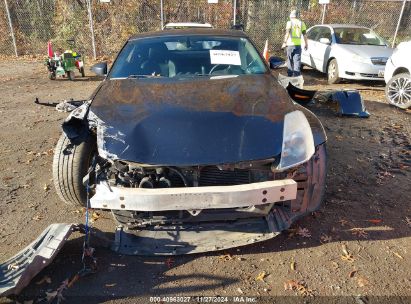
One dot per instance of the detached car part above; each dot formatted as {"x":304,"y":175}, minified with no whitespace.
{"x":195,"y":144}
{"x":17,"y":272}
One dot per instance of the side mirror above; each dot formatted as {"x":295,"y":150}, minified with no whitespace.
{"x":325,"y":41}
{"x":99,"y":69}
{"x":276,"y":62}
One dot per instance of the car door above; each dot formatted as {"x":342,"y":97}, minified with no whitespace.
{"x":306,"y":56}
{"x":322,"y":48}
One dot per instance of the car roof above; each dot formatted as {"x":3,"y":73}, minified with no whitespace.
{"x":339,"y":25}
{"x":191,"y":31}
{"x":187,"y":24}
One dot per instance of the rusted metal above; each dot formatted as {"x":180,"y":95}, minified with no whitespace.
{"x":194,"y":121}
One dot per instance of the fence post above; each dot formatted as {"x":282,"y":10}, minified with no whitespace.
{"x":11,"y":28}
{"x":162,"y":14}
{"x":235,"y":12}
{"x":398,"y":24}
{"x":90,"y":18}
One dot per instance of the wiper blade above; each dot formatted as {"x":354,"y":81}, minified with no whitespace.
{"x":144,"y":76}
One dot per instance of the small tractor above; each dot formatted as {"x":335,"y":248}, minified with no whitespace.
{"x":64,"y":65}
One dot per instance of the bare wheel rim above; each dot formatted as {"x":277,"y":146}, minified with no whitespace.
{"x":331,"y":71}
{"x":399,"y":91}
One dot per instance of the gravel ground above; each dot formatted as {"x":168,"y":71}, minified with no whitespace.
{"x":356,"y":247}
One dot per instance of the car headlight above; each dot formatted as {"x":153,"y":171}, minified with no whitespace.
{"x":358,"y":58}
{"x":298,"y":142}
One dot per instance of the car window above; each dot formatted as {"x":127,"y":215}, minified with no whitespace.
{"x":357,"y":36}
{"x":324,"y":32}
{"x":313,"y":32}
{"x":188,"y":56}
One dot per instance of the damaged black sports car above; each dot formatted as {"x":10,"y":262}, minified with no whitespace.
{"x":193,"y":145}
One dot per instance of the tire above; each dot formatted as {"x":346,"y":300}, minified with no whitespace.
{"x":398,"y":90}
{"x":52,"y":76}
{"x":83,"y":74}
{"x":332,"y":72}
{"x":70,"y":165}
{"x":71,"y":75}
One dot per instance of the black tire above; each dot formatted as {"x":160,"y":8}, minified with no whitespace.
{"x":332,"y":72}
{"x":71,"y":75}
{"x":83,"y":74}
{"x":70,"y":165}
{"x":398,"y":90}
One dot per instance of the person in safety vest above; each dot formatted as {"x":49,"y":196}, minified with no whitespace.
{"x":292,"y":40}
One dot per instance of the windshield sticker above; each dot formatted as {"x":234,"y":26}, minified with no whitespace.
{"x":225,"y":57}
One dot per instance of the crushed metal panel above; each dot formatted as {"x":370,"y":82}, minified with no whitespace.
{"x":17,"y":272}
{"x":350,"y":103}
{"x":202,"y":237}
{"x":178,"y":240}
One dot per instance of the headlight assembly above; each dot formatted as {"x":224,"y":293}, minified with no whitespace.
{"x":298,"y":142}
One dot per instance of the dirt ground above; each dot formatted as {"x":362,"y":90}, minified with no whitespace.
{"x":355,"y":248}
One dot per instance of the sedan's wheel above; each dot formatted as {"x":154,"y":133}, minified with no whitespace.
{"x":398,"y":91}
{"x":332,"y":72}
{"x":70,"y":165}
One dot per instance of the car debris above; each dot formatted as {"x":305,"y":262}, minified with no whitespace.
{"x":17,"y":272}
{"x":62,"y":106}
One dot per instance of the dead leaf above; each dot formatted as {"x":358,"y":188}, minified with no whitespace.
{"x":326,"y":238}
{"x":111,"y":285}
{"x":292,"y":265}
{"x":398,"y":255}
{"x":344,"y":249}
{"x":261,"y":276}
{"x":37,"y":217}
{"x":46,"y":187}
{"x":347,"y":257}
{"x":94,"y":216}
{"x":225,"y":257}
{"x":362,"y":282}
{"x":334,"y":265}
{"x":304,"y":232}
{"x":352,"y":273}
{"x":343,"y":222}
{"x":290,"y":285}
{"x":359,"y":232}
{"x":300,"y":287}
{"x":45,"y":279}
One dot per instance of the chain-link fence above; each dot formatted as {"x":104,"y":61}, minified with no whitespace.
{"x":34,"y":22}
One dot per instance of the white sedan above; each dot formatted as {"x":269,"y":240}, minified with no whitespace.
{"x":346,"y":52}
{"x":398,"y":76}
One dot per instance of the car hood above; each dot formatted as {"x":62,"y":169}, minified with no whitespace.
{"x":196,"y":121}
{"x":367,"y":51}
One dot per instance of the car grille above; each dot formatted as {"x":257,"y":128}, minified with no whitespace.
{"x":379,"y":60}
{"x":212,"y":176}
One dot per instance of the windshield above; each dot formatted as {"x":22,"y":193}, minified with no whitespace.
{"x":364,"y":36}
{"x":187,"y":56}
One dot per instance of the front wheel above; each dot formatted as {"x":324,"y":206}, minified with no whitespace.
{"x":332,"y":72}
{"x":70,"y":164}
{"x":398,"y":90}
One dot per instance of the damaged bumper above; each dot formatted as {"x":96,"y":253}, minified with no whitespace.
{"x":193,"y":198}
